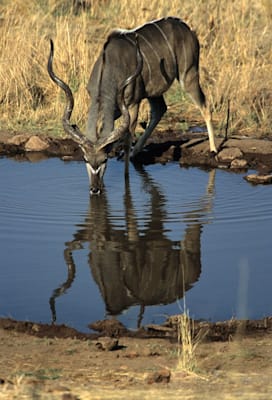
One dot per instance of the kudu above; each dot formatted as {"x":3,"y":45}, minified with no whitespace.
{"x":134,"y":65}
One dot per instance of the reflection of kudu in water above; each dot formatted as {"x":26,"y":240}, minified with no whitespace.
{"x":139,"y":266}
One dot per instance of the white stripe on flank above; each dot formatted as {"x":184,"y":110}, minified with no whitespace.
{"x":167,"y":41}
{"x":143,"y":54}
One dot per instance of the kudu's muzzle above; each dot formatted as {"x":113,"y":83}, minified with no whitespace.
{"x":96,"y":178}
{"x":95,"y":190}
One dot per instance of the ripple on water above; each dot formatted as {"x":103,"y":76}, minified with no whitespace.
{"x":55,"y":192}
{"x":40,"y":194}
{"x":236,"y":201}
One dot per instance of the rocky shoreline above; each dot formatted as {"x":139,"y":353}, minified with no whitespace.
{"x":238,"y":154}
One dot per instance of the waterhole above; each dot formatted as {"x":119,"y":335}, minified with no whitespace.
{"x":169,"y":238}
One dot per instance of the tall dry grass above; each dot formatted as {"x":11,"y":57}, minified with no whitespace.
{"x":236,"y":57}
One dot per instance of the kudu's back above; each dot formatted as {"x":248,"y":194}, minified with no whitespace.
{"x":169,"y":49}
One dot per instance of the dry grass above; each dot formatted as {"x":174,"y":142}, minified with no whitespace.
{"x":236,"y":57}
{"x":187,"y":345}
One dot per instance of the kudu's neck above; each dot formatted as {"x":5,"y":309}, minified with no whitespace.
{"x":100,"y":121}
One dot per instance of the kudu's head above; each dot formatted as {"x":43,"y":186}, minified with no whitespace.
{"x":95,"y":153}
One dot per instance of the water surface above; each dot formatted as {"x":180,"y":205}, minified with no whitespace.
{"x":135,"y":251}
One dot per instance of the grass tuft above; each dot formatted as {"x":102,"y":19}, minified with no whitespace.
{"x":187,"y":345}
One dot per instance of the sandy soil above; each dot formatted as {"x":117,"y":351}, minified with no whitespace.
{"x":231,"y":360}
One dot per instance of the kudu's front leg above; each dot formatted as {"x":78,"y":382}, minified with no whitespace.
{"x":158,"y":108}
{"x":127,"y":141}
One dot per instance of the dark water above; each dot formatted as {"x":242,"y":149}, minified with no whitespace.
{"x":136,"y":250}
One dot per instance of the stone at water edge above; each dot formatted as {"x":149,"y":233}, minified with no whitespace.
{"x":259,"y":179}
{"x":35,"y":143}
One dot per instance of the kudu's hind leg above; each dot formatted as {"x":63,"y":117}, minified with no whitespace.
{"x":193,"y":88}
{"x":158,"y":108}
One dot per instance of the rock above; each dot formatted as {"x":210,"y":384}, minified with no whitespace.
{"x":69,"y":396}
{"x":239,"y":164}
{"x":67,"y":158}
{"x":35,"y":143}
{"x":159,"y":328}
{"x":107,"y":344}
{"x":162,"y":376}
{"x":259,"y":179}
{"x":109,"y":327}
{"x":150,"y":353}
{"x":229,"y":154}
{"x":132,"y":354}
{"x":18,"y":140}
{"x":35,"y":328}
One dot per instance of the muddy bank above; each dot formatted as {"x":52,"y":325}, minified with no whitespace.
{"x":190,"y":149}
{"x":111,"y":328}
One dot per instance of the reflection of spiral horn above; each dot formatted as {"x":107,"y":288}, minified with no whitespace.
{"x":66,"y":285}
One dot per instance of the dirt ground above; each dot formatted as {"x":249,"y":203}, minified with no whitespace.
{"x":231,"y":360}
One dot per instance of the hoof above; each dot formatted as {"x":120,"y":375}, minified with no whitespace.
{"x":213,"y":153}
{"x":214,"y":156}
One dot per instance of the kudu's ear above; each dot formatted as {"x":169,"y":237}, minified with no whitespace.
{"x":121,"y":130}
